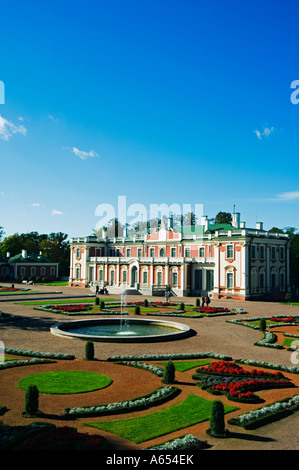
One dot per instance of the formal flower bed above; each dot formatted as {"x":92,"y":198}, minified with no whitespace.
{"x":68,"y":309}
{"x":238,"y":383}
{"x":282,"y":319}
{"x":8,"y":289}
{"x":212,"y":309}
{"x":159,"y":396}
{"x":267,"y":414}
{"x":231,"y":368}
{"x":71,"y":308}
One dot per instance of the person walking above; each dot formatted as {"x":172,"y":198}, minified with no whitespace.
{"x":203,"y":301}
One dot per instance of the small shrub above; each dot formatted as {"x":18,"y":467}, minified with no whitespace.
{"x":217,"y":425}
{"x":97,"y":301}
{"x":137,"y":310}
{"x":145,"y":303}
{"x":182,"y":306}
{"x":89,"y":351}
{"x":102,"y":305}
{"x":197,"y":303}
{"x":169,"y":373}
{"x":32,"y":400}
{"x":288,"y":297}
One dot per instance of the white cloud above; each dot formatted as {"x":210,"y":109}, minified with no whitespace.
{"x":37,"y":204}
{"x":81,"y":154}
{"x":56,"y":212}
{"x":53,"y":118}
{"x":289,"y":196}
{"x":7,"y":129}
{"x":264,"y":133}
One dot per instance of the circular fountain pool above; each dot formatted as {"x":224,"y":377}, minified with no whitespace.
{"x":120,"y":330}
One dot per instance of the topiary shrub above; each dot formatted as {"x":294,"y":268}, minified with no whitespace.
{"x":217,"y":425}
{"x":102,"y":305}
{"x":145,"y":303}
{"x":32,"y":401}
{"x":169,"y":373}
{"x":97,"y":301}
{"x":89,"y":351}
{"x":197,"y":303}
{"x":263,"y":324}
{"x":137,"y":310}
{"x":182,"y":306}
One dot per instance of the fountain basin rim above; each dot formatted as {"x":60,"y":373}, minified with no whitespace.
{"x":180,"y":330}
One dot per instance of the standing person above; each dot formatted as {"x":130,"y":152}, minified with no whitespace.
{"x":207,"y":300}
{"x":97,"y":289}
{"x":203,"y":301}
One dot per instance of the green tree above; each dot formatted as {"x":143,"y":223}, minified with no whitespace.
{"x":217,"y":424}
{"x":223,"y":218}
{"x":12,"y":244}
{"x":169,"y":373}
{"x":32,"y":400}
{"x":89,"y":351}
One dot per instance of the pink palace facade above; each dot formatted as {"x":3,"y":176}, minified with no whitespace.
{"x":221,"y":260}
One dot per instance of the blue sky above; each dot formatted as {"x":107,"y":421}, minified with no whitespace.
{"x":159,"y":101}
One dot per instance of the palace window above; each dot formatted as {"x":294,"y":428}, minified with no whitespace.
{"x":187,"y":252}
{"x":230,"y":280}
{"x":162,"y":252}
{"x":145,"y":277}
{"x":273,"y":253}
{"x":43,"y":271}
{"x":262,"y":251}
{"x":78,"y":253}
{"x":77,"y":273}
{"x":152,"y":252}
{"x":101,"y":274}
{"x":173,"y":252}
{"x":33,"y":271}
{"x":253,"y":251}
{"x":202,"y":252}
{"x":229,"y":251}
{"x":174,"y":278}
{"x":262,"y":280}
{"x":124,"y":276}
{"x":128,"y":252}
{"x":52,"y":271}
{"x":139,"y":252}
{"x":281,"y":252}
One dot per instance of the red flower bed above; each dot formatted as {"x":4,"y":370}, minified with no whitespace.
{"x":71,"y":308}
{"x":8,"y":289}
{"x":212,"y":309}
{"x":230,"y":368}
{"x":284,"y":320}
{"x":240,"y":389}
{"x":64,"y":437}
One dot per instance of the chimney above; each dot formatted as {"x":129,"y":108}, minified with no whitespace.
{"x":259,"y":226}
{"x":8,"y":254}
{"x":104,"y":232}
{"x":205,"y":222}
{"x":170,"y":223}
{"x":236,"y":220}
{"x":24,"y":254}
{"x":242,"y":224}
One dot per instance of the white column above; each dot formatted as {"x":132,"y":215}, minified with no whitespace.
{"x":245,"y":268}
{"x":288,"y":287}
{"x":216,"y":269}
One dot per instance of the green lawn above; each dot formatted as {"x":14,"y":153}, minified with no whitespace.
{"x":192,"y":410}
{"x":182,"y":366}
{"x":63,"y":382}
